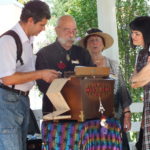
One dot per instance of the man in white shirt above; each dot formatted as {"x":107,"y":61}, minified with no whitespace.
{"x":16,"y":79}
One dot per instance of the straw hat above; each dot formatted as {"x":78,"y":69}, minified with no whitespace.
{"x":108,"y":40}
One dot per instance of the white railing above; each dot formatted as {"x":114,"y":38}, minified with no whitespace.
{"x":136,"y":108}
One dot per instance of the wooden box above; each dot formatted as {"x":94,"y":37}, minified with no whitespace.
{"x":85,"y":95}
{"x":81,"y":98}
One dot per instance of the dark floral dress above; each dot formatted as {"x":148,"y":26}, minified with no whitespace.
{"x":141,"y":62}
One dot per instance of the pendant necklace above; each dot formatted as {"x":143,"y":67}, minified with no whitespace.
{"x":68,"y":56}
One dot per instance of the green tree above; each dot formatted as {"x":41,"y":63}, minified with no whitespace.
{"x":84,"y":12}
{"x":23,"y":1}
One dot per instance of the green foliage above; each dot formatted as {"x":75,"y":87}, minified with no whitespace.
{"x":23,"y":1}
{"x":84,"y":12}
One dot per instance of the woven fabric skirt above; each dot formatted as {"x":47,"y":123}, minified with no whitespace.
{"x":88,"y":135}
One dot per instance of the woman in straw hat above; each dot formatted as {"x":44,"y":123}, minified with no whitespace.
{"x":96,"y":42}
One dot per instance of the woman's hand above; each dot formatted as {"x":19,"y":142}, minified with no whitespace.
{"x":141,"y":78}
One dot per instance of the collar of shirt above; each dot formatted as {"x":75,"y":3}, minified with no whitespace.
{"x":24,"y":38}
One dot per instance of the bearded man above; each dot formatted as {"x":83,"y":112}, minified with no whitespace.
{"x":61,"y":55}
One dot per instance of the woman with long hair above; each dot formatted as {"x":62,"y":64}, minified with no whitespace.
{"x":140,"y":36}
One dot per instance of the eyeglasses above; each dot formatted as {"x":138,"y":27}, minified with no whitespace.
{"x":95,"y":40}
{"x":69,"y":31}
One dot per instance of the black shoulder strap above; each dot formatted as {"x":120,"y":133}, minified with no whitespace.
{"x":18,"y":44}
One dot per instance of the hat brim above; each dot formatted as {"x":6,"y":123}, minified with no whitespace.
{"x":107,"y":39}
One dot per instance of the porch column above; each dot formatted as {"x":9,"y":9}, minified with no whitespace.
{"x":106,"y":11}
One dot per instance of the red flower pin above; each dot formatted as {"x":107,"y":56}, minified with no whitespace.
{"x":61,"y":65}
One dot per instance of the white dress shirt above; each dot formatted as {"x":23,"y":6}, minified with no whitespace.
{"x":8,"y":54}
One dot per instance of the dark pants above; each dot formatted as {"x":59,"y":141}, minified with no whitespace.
{"x":125,"y":143}
{"x":140,"y":140}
